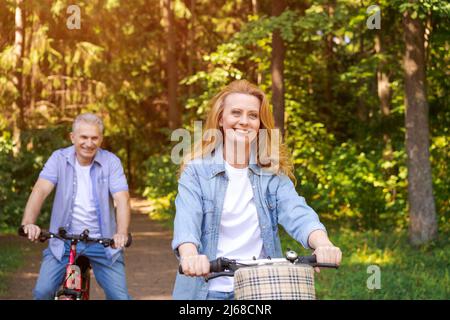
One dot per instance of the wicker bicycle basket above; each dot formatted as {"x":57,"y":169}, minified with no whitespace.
{"x":275,"y":282}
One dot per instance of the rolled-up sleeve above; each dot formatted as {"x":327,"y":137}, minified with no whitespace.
{"x":294,"y":214}
{"x":117,"y":178}
{"x":189,"y":212}
{"x":50,"y":170}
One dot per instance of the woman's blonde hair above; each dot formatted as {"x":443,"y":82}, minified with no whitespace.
{"x":281,"y":163}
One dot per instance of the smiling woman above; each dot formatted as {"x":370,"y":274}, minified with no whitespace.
{"x":240,"y":112}
{"x":230,"y":202}
{"x":240,"y":121}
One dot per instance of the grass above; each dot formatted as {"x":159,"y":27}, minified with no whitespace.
{"x":11,"y":258}
{"x":406,"y":272}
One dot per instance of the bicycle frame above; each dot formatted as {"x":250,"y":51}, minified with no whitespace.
{"x":76,"y":285}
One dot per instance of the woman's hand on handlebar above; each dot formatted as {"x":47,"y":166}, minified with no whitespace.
{"x":195,"y":265}
{"x":32,"y":231}
{"x":327,"y":254}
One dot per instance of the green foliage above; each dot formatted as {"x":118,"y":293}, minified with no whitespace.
{"x":19,"y":174}
{"x":440,"y":155}
{"x":406,"y":272}
{"x":350,"y":159}
{"x":11,"y":257}
{"x":349,"y":156}
{"x":356,"y":188}
{"x":160,"y":186}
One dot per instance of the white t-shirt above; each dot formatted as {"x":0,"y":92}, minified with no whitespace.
{"x":84,"y":215}
{"x":240,"y":234}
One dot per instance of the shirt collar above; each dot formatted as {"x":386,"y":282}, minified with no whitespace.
{"x":217,"y":163}
{"x":69,"y":153}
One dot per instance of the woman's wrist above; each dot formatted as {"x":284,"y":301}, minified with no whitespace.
{"x":319,"y":238}
{"x":187,"y":250}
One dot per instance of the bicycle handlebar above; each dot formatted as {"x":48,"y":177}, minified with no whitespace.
{"x":222,"y":264}
{"x":226,"y":267}
{"x":83,"y":237}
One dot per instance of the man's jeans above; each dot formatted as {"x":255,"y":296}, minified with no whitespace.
{"x":110,"y":277}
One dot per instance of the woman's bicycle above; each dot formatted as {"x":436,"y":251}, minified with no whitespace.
{"x":76,"y":283}
{"x":289,"y":278}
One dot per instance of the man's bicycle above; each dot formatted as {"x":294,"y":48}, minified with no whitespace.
{"x":76,"y":283}
{"x":289,"y":278}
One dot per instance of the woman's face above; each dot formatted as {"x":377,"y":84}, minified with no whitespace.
{"x":240,"y":118}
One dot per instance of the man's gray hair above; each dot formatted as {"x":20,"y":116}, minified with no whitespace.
{"x":88,"y":118}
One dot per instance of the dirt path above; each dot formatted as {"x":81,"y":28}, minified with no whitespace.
{"x":150,"y":264}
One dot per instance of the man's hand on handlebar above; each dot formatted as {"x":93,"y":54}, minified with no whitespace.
{"x":32,"y":231}
{"x":195,"y":265}
{"x":120,"y":239}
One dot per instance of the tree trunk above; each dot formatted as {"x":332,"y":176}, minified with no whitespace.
{"x":255,"y":6}
{"x":34,"y":69}
{"x":191,"y":43}
{"x":254,"y":11}
{"x":383,"y":84}
{"x":129,"y":172}
{"x":329,"y":57}
{"x":422,"y":212}
{"x":18,"y":105}
{"x":361,"y":107}
{"x":384,"y":95}
{"x":277,"y":68}
{"x":171,"y":60}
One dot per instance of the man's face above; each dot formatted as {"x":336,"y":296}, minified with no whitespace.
{"x":87,"y":138}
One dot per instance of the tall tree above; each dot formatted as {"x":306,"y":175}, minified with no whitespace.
{"x":191,"y":44}
{"x":422,"y":212}
{"x":277,"y":68}
{"x":171,"y":66}
{"x":384,"y":91}
{"x":18,"y":105}
{"x":330,"y":8}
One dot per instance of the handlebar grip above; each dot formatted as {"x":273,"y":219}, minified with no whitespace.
{"x":21,"y":232}
{"x":327,"y":265}
{"x":43,"y":236}
{"x":307,"y":259}
{"x":110,"y":242}
{"x":312,"y":261}
{"x":129,"y":241}
{"x":216,"y":265}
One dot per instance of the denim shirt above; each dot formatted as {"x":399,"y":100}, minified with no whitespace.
{"x":199,"y":203}
{"x":107,"y":178}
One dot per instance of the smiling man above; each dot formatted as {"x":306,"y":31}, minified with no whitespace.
{"x":87,"y":180}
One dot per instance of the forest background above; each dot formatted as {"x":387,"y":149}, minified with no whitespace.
{"x":361,"y":93}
